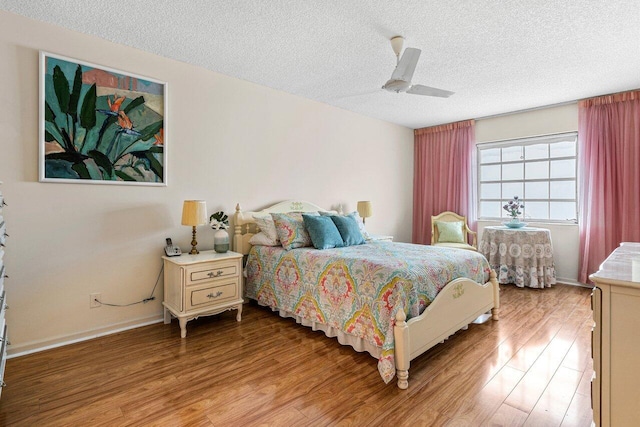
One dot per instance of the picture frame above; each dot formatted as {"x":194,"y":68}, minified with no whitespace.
{"x":99,"y":125}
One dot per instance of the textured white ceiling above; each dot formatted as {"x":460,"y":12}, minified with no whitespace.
{"x":498,"y":56}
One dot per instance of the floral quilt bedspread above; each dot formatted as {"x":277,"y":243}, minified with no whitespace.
{"x":358,"y":289}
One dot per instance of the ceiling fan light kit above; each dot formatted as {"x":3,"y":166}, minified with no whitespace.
{"x":400,"y":80}
{"x":396,"y":44}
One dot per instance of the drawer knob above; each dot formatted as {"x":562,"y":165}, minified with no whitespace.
{"x":216,"y":295}
{"x":2,"y":384}
{"x":216,"y":274}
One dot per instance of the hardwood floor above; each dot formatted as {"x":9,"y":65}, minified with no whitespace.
{"x":533,"y":367}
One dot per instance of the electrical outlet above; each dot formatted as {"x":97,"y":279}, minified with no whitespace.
{"x":92,"y":300}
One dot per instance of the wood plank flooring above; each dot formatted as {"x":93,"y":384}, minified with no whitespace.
{"x":531,"y":368}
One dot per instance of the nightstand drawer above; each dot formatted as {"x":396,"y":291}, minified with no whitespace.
{"x":199,"y":273}
{"x":3,"y":304}
{"x":213,"y":294}
{"x":3,"y":356}
{"x":3,"y":332}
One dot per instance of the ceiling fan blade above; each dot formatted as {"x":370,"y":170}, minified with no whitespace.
{"x":429,"y":91}
{"x":407,"y":65}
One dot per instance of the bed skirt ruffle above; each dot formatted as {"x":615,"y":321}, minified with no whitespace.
{"x":357,"y":343}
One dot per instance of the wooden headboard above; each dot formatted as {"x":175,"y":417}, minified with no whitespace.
{"x":245,"y":226}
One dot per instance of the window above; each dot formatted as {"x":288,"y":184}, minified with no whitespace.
{"x":541,"y":171}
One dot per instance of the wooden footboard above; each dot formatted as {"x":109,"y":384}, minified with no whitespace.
{"x":458,"y":304}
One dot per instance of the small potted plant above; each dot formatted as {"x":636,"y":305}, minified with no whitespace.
{"x":513,"y":207}
{"x":219,"y":221}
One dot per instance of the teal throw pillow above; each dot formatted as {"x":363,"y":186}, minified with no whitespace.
{"x":349,"y":230}
{"x":450,"y":232}
{"x":355,"y":216}
{"x":323,"y":232}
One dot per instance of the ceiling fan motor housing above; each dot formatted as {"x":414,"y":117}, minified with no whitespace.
{"x":397,"y":86}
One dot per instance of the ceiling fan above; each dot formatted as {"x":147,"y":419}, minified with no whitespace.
{"x":401,"y":78}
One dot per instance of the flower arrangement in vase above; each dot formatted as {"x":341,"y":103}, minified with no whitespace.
{"x":514,"y":208}
{"x":219,"y":221}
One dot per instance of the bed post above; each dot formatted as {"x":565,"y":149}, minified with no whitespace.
{"x":402,"y":351}
{"x":237,"y":233}
{"x":495,"y":311}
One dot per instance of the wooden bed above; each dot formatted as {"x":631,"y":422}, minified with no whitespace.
{"x":459,"y":303}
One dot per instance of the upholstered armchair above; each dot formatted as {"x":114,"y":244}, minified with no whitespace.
{"x":451,"y":230}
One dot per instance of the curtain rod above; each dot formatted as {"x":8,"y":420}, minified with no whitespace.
{"x":527,"y":110}
{"x":542,"y":107}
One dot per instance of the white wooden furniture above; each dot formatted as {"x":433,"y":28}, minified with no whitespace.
{"x":615,"y":387}
{"x":458,"y":304}
{"x":380,"y":238}
{"x":201,"y":285}
{"x":522,"y":256}
{"x":466,"y":231}
{"x":3,"y":298}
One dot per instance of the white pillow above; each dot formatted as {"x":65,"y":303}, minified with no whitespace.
{"x":268,"y":227}
{"x":261,"y":239}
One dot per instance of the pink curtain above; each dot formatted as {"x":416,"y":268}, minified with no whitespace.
{"x":609,"y":195}
{"x":443,"y":175}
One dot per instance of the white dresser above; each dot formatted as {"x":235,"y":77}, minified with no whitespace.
{"x":201,"y":285}
{"x":615,"y":388}
{"x":3,"y":299}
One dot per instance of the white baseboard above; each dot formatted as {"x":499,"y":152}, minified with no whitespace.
{"x":37,"y":346}
{"x":571,"y":282}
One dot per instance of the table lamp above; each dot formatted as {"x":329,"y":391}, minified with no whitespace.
{"x":194,"y":213}
{"x":364,"y":210}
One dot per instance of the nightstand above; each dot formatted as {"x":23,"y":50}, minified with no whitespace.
{"x":201,"y":285}
{"x":380,"y":238}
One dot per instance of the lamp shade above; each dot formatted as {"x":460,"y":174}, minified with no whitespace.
{"x":364,"y":209}
{"x":194,"y":212}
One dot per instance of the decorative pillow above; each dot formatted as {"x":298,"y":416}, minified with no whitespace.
{"x":323,"y":232}
{"x":450,"y":232}
{"x":290,"y":229}
{"x":358,"y":219}
{"x":261,"y":239}
{"x":349,"y":230}
{"x":268,"y":228}
{"x":360,"y":223}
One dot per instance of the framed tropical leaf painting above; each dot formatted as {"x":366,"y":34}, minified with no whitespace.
{"x":99,"y":125}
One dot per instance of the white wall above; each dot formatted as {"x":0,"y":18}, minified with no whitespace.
{"x":565,"y":237}
{"x":228,"y":141}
